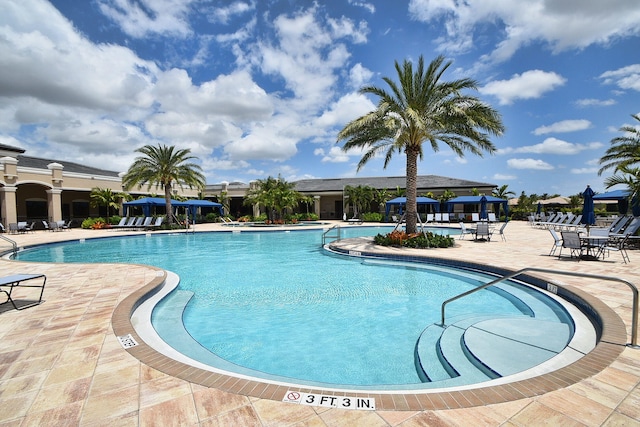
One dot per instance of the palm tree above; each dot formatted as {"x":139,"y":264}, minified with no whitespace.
{"x":164,"y":166}
{"x":107,"y":198}
{"x":422,"y":108}
{"x":275,"y":194}
{"x":502,"y":192}
{"x":359,"y":197}
{"x":631,"y":178}
{"x":624,"y":150}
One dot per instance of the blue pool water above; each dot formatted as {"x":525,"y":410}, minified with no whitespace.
{"x":276,"y":304}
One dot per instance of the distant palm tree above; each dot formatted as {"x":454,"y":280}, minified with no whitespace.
{"x":624,"y":150}
{"x":164,"y":166}
{"x":359,"y":197}
{"x":107,"y":198}
{"x":275,"y":194}
{"x":422,"y":108}
{"x":502,"y":192}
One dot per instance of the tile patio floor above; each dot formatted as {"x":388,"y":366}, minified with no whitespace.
{"x":61,"y":364}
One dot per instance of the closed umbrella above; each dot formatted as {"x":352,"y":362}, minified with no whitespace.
{"x":483,"y":207}
{"x":539,"y":209}
{"x":588,"y":214}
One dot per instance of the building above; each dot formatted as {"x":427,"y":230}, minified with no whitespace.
{"x":34,"y":189}
{"x":328,"y":193}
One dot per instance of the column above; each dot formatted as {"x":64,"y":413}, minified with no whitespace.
{"x":54,"y":199}
{"x":8,"y":205}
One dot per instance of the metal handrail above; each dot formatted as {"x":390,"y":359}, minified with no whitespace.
{"x":634,"y":290}
{"x":324,"y":235}
{"x":13,"y":243}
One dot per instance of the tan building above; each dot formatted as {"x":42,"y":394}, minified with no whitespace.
{"x":34,"y":189}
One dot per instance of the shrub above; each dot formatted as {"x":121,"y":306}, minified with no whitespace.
{"x":372,"y":217}
{"x":95,"y":223}
{"x":414,"y":240}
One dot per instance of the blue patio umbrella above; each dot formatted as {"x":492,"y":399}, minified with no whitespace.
{"x":483,"y":207}
{"x":539,"y":208}
{"x":588,"y":214}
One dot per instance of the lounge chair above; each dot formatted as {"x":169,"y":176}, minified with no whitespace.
{"x":146,"y":222}
{"x":464,"y":230}
{"x":63,"y":225}
{"x":438,"y":217}
{"x":492,"y":217}
{"x":24,"y":227}
{"x":430,"y":217}
{"x":122,"y":222}
{"x":17,"y":280}
{"x":574,"y":223}
{"x":445,"y":217}
{"x":475,"y":217}
{"x":130,"y":223}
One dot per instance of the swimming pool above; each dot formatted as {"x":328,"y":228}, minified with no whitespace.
{"x":273,"y":302}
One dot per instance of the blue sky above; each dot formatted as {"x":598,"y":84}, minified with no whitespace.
{"x":260,"y":88}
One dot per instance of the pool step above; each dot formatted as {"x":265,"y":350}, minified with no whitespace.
{"x":480,"y":348}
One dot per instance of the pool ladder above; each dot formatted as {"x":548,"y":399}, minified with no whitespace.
{"x":634,"y":291}
{"x":326,"y":235}
{"x":14,"y":245}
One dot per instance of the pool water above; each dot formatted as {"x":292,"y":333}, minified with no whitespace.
{"x":276,"y":304}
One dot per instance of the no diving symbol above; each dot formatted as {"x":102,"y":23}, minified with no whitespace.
{"x":293,"y":396}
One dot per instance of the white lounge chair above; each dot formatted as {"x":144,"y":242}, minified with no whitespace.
{"x":492,"y":217}
{"x":475,"y":217}
{"x":15,"y":281}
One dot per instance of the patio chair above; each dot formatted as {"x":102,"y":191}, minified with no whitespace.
{"x":156,"y":224}
{"x":429,"y":217}
{"x":464,"y":230}
{"x":445,"y":217}
{"x":438,"y":217}
{"x":492,"y":217}
{"x":475,"y":217}
{"x":483,"y":231}
{"x":17,"y":280}
{"x":571,"y":241}
{"x":25,"y":227}
{"x":146,"y":222}
{"x":557,"y":241}
{"x":501,"y":231}
{"x":63,"y":225}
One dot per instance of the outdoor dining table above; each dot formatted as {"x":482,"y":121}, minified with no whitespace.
{"x":593,"y":244}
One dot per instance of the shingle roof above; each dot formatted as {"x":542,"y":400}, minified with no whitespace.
{"x":432,"y":182}
{"x":37,"y":163}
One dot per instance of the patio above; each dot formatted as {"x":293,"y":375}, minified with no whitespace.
{"x":61,"y":364}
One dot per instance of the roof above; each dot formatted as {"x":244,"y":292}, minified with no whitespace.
{"x":612,"y":195}
{"x":38,"y":163}
{"x":431,"y":182}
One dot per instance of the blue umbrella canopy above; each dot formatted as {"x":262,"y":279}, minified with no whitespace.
{"x":588,"y":214}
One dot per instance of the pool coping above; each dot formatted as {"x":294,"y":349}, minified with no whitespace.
{"x":612,"y":342}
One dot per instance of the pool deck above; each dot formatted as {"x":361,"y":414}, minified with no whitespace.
{"x":61,"y":364}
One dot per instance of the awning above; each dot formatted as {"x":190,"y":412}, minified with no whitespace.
{"x":478,"y":200}
{"x":401,"y":202}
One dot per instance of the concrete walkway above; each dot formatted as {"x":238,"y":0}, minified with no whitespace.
{"x":61,"y":364}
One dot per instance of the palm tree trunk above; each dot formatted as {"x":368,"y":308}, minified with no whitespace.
{"x":412,"y":178}
{"x":167,"y":200}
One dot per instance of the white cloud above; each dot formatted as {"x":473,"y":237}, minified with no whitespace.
{"x":528,"y":85}
{"x":143,"y":17}
{"x":348,"y":107}
{"x":557,"y":146}
{"x":534,"y":164}
{"x":224,"y":14}
{"x":584,"y":171}
{"x":591,"y":102}
{"x":563,"y":126}
{"x":625,"y":78}
{"x":359,"y":75}
{"x":560,"y":24}
{"x":335,"y":155}
{"x":504,"y":177}
{"x":366,"y":5}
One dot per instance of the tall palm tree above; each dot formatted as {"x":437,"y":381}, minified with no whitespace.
{"x":422,"y":108}
{"x":164,"y":166}
{"x":624,"y":150}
